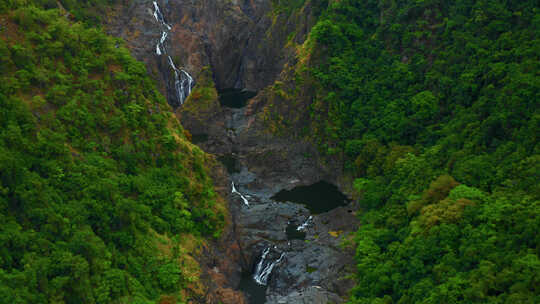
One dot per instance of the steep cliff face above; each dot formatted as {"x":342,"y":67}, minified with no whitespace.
{"x":242,"y":42}
{"x":226,"y":36}
{"x":103,"y":198}
{"x":246,"y":45}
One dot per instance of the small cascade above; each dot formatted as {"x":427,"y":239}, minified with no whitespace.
{"x":246,"y":202}
{"x":305,"y":224}
{"x":265,"y":266}
{"x":160,"y":44}
{"x":159,"y":16}
{"x":183,"y":82}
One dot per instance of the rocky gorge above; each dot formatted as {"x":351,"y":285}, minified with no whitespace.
{"x":239,"y":47}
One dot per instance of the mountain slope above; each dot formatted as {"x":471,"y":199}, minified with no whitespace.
{"x":431,"y":108}
{"x":102,"y":197}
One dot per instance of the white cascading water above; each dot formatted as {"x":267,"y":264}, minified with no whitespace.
{"x":159,"y":16}
{"x":183,"y":82}
{"x":305,"y":224}
{"x":264,"y":267}
{"x":246,"y":202}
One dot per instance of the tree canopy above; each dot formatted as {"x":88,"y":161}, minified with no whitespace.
{"x":433,"y":109}
{"x":99,"y":188}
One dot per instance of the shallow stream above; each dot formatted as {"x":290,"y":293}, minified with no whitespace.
{"x":280,"y":253}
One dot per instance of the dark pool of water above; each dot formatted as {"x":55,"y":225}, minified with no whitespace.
{"x":293,"y":233}
{"x":318,"y":198}
{"x":230,"y":162}
{"x":235,"y":98}
{"x":199,"y":138}
{"x":255,"y":293}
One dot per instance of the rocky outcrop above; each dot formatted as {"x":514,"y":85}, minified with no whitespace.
{"x":240,"y":44}
{"x":267,"y":165}
{"x":241,"y":41}
{"x":319,"y":260}
{"x":310,"y":295}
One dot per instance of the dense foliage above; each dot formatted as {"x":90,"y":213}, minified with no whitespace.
{"x":88,"y":11}
{"x":99,"y":188}
{"x":433,"y":107}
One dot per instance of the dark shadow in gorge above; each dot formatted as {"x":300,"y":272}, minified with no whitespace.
{"x":318,"y":198}
{"x":235,"y":98}
{"x":230,"y":162}
{"x":255,"y":293}
{"x":199,"y":138}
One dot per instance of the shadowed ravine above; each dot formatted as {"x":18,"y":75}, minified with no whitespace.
{"x":269,"y":151}
{"x":289,"y":247}
{"x":290,"y":224}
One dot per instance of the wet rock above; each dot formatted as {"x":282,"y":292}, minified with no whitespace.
{"x":245,"y":49}
{"x":226,"y":296}
{"x":311,"y":295}
{"x":237,"y":39}
{"x":319,"y":260}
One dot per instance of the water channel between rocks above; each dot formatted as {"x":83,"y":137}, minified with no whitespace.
{"x":273,"y":252}
{"x":291,"y":237}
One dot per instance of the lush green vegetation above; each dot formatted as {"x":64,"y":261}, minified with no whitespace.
{"x":203,"y":100}
{"x":101,"y":196}
{"x":430,"y":105}
{"x":433,"y":108}
{"x":88,"y":11}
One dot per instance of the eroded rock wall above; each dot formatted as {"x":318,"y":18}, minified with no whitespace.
{"x":242,"y":42}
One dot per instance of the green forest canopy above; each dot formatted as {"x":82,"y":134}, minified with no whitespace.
{"x":431,"y":105}
{"x":99,"y":187}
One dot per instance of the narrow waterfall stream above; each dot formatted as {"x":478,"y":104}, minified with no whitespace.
{"x":183,"y":82}
{"x":246,"y":202}
{"x":265,"y":266}
{"x":304,"y":226}
{"x":291,"y":244}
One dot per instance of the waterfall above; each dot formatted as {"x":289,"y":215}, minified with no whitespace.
{"x":246,"y":202}
{"x":183,"y":82}
{"x":305,"y":224}
{"x":159,"y":16}
{"x":160,"y":45}
{"x":264,"y":267}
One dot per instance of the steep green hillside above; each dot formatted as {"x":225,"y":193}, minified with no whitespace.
{"x":88,"y":11}
{"x":433,"y":108}
{"x":102,"y":198}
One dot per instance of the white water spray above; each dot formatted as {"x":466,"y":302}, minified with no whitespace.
{"x":264,"y":267}
{"x":305,"y":224}
{"x":183,"y":82}
{"x":246,"y":202}
{"x":159,"y":16}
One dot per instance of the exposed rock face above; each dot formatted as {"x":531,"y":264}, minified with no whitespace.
{"x":228,"y":36}
{"x":268,"y":165}
{"x":311,"y":295}
{"x":318,"y":260}
{"x":237,"y":39}
{"x":245,"y":47}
